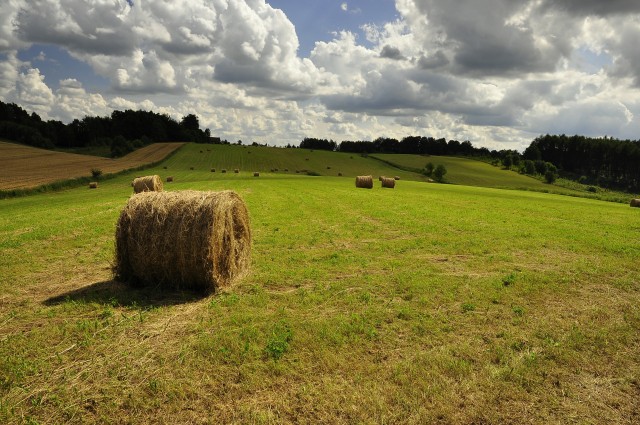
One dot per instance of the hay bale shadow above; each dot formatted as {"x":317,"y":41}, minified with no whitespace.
{"x":122,"y":294}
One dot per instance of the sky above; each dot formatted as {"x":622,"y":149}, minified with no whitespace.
{"x":495,"y":72}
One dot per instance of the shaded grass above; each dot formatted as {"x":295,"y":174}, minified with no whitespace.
{"x":425,"y":304}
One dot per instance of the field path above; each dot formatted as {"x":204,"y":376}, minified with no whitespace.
{"x":23,"y":167}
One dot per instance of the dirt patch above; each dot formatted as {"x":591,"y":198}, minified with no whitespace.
{"x":24,"y":167}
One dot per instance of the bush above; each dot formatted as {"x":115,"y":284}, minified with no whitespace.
{"x":96,"y":172}
{"x":550,"y":176}
{"x":529,"y":167}
{"x":592,"y":189}
{"x":541,"y":167}
{"x":428,"y":169}
{"x":439,"y":173}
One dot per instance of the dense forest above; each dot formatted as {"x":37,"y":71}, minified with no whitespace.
{"x":418,"y":145}
{"x":604,"y":161}
{"x":123,"y":131}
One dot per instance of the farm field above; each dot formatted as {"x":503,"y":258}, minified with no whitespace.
{"x":426,"y":303}
{"x":23,"y":167}
{"x":467,"y":171}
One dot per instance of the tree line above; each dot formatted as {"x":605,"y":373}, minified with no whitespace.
{"x":606,"y":161}
{"x":122,"y":131}
{"x":419,"y":145}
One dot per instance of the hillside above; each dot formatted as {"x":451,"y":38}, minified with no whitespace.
{"x":23,"y":167}
{"x":427,"y":303}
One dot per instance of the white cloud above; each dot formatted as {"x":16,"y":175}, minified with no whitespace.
{"x":33,"y":92}
{"x":496,"y":72}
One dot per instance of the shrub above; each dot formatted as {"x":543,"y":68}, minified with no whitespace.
{"x":428,"y":169}
{"x":96,"y":172}
{"x":541,"y":167}
{"x":439,"y":173}
{"x":592,"y":189}
{"x":529,"y":167}
{"x":550,"y":176}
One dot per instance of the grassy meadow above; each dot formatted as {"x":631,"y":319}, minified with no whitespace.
{"x":426,"y":303}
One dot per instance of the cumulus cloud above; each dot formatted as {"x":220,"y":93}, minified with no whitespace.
{"x":491,"y":71}
{"x":33,"y":92}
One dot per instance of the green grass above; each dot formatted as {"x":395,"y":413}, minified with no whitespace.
{"x":263,"y":159}
{"x":465,"y":171}
{"x":422,"y":304}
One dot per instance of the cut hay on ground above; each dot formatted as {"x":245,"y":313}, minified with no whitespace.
{"x":183,"y":240}
{"x":635,"y":203}
{"x":147,"y":184}
{"x":93,"y":185}
{"x":365,"y":182}
{"x":169,"y":179}
{"x":388,"y":182}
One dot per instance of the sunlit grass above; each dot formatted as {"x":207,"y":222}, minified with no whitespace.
{"x":422,"y":304}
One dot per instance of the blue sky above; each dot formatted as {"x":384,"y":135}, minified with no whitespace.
{"x":495,"y":72}
{"x":319,"y":20}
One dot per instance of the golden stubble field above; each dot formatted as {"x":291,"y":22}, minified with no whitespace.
{"x":24,"y":167}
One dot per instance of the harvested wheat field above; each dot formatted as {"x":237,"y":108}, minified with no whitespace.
{"x":24,"y":167}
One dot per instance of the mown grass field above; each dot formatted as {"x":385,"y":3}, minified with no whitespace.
{"x":468,"y":172}
{"x":24,"y":167}
{"x":427,"y":303}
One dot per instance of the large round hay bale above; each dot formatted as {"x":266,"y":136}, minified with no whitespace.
{"x":396,"y":177}
{"x":224,"y":170}
{"x":169,"y":179}
{"x":381,"y":177}
{"x":183,"y":240}
{"x":635,"y":203}
{"x":237,"y":170}
{"x":389,"y":182}
{"x":365,"y":182}
{"x":213,"y":170}
{"x":256,"y":174}
{"x":147,"y":184}
{"x":93,"y":185}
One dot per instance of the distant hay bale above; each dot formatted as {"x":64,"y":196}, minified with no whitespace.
{"x":276,"y":169}
{"x":93,"y":185}
{"x":147,"y":184}
{"x":236,"y":171}
{"x":635,"y":203}
{"x":213,"y":170}
{"x":183,"y":240}
{"x":191,"y":168}
{"x":396,"y":177}
{"x":169,"y":179}
{"x":306,"y":159}
{"x":388,"y":182}
{"x":256,"y":174}
{"x":224,"y":170}
{"x":286,"y":170}
{"x":339,"y":174}
{"x":297,"y":171}
{"x":365,"y":182}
